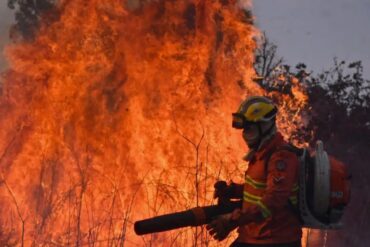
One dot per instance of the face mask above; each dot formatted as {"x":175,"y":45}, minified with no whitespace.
{"x":251,"y":135}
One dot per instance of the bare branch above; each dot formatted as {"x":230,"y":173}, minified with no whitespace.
{"x":11,"y":193}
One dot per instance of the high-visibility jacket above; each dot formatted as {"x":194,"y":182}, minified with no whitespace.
{"x":270,"y":194}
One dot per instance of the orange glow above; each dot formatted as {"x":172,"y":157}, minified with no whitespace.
{"x":119,"y":113}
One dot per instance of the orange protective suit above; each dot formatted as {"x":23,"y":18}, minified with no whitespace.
{"x":270,"y":196}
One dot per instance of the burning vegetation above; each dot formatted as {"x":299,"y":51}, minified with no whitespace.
{"x":115,"y":111}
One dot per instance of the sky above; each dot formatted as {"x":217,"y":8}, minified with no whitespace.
{"x":309,"y":31}
{"x":316,"y":31}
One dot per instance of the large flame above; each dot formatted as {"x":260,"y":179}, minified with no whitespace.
{"x":117,"y":112}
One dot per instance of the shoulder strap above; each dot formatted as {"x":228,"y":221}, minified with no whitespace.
{"x":288,"y":147}
{"x":297,"y":151}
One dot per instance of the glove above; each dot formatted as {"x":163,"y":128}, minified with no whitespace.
{"x":224,"y":192}
{"x":221,"y":227}
{"x":221,"y":189}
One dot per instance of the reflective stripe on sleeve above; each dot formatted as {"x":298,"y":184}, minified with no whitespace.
{"x":293,"y":200}
{"x":256,"y":200}
{"x":255,"y":184}
{"x":295,"y":188}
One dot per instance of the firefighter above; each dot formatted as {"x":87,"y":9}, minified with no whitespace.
{"x":268,"y":216}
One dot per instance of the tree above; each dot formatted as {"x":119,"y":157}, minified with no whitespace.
{"x":266,"y":58}
{"x":339,"y":115}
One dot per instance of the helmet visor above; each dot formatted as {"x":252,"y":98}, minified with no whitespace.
{"x":239,"y":121}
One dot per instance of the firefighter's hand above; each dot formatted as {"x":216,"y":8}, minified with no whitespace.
{"x":223,"y":191}
{"x":221,"y":227}
{"x":220,"y":189}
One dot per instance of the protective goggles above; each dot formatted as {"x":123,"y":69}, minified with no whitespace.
{"x":239,"y":121}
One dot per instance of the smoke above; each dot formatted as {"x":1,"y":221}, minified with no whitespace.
{"x":245,"y":4}
{"x":6,"y":19}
